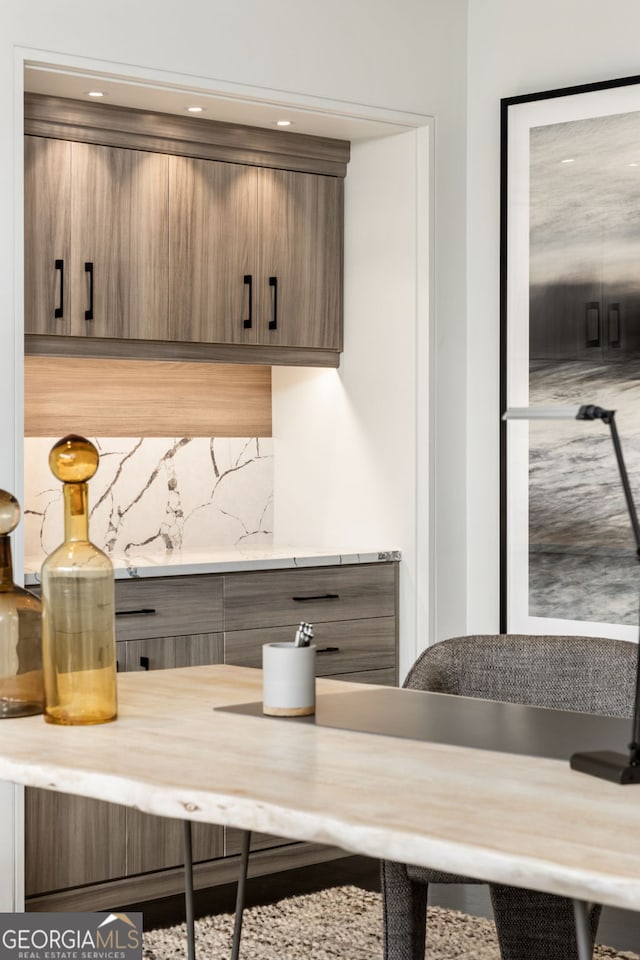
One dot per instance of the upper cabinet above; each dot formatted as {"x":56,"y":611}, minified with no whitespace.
{"x":300,"y":259}
{"x":160,"y":253}
{"x":213,"y":248}
{"x":96,"y":240}
{"x":47,"y":235}
{"x":255,"y":255}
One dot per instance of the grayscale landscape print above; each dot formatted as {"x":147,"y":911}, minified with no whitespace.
{"x":584,"y":334}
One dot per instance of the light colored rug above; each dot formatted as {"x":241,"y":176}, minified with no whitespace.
{"x":344,"y":923}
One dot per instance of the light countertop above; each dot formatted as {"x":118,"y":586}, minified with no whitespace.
{"x":225,"y":560}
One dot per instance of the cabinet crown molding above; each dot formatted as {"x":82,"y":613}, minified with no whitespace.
{"x":110,"y":125}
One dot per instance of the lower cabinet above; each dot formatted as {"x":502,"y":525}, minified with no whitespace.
{"x":72,"y":841}
{"x":353,"y":612}
{"x":155,"y":843}
{"x":87,"y":854}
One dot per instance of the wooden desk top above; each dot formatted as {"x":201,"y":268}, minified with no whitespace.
{"x":516,"y":819}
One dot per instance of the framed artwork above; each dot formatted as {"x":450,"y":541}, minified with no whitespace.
{"x":570,"y":315}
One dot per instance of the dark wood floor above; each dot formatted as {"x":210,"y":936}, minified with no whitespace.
{"x":359,"y":871}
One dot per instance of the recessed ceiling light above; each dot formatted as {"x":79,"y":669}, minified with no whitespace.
{"x":633,"y":164}
{"x":283,"y":123}
{"x":195,"y":109}
{"x":95,"y":93}
{"x":569,"y":160}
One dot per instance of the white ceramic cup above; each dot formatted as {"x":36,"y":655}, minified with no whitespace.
{"x":288,"y":680}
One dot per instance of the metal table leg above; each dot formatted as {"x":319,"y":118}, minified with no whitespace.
{"x":583,"y":929}
{"x":242,"y":879}
{"x":188,"y":890}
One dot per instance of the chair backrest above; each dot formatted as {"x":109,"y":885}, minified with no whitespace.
{"x":589,"y":674}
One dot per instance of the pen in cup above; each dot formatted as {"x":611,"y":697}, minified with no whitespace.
{"x":304,"y":634}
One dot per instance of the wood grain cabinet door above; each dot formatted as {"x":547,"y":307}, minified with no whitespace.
{"x":300,"y":259}
{"x":213,"y":218}
{"x":155,"y":843}
{"x":96,"y":241}
{"x":119,"y":224}
{"x":71,"y":841}
{"x":47,"y":233}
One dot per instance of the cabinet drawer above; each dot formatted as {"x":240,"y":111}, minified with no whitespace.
{"x":168,"y":607}
{"x":316,"y":594}
{"x":164,"y":652}
{"x":345,"y":646}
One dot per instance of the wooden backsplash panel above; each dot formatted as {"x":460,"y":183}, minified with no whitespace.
{"x":145,"y":398}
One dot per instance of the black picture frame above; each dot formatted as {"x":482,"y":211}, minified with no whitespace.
{"x":525,"y":121}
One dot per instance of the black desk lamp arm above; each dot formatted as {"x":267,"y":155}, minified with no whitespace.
{"x":590,"y":412}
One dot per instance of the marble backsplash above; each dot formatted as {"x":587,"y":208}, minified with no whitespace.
{"x":158,"y":494}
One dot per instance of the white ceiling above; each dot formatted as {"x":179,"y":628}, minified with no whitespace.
{"x":147,"y":96}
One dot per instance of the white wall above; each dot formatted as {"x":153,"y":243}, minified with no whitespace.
{"x":408,"y":56}
{"x":347,"y":476}
{"x":514,"y":48}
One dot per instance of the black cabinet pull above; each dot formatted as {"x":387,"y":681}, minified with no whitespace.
{"x":59,"y":311}
{"x":273,"y":323}
{"x":142,"y":612}
{"x":144,"y":663}
{"x":614,"y":324}
{"x":592,"y":322}
{"x":248,"y":279}
{"x":88,"y":314}
{"x":320,"y":596}
{"x":328,"y":650}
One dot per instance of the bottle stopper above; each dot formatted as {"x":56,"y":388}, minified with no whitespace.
{"x":9,"y":512}
{"x":73,"y":459}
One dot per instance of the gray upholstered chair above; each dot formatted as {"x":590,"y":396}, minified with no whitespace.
{"x":589,"y":674}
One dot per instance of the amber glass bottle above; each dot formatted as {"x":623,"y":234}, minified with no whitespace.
{"x":78,"y":633}
{"x":21,"y":691}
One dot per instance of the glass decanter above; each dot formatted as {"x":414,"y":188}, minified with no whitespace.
{"x":78,"y":600}
{"x":21,"y":690}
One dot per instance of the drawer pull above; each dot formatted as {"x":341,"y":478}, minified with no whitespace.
{"x":142,"y":612}
{"x":320,"y":596}
{"x":144,"y":663}
{"x":328,"y":650}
